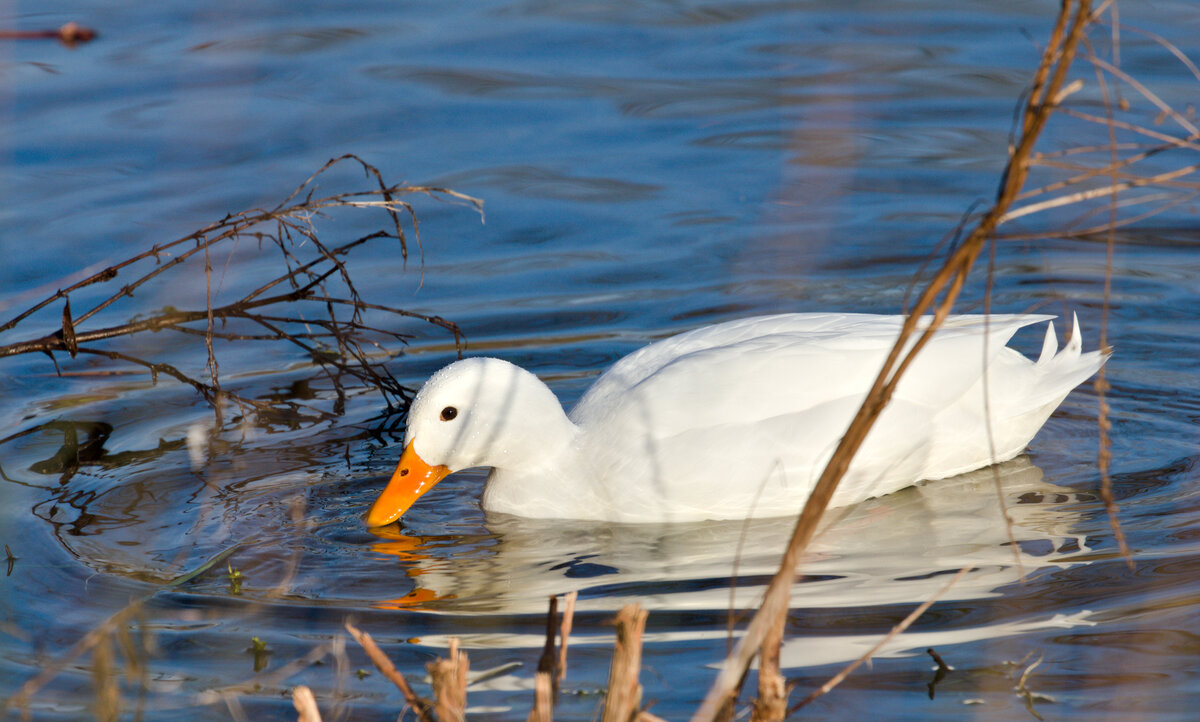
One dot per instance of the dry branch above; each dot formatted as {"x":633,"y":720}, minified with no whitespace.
{"x":69,"y":34}
{"x":312,"y":304}
{"x":946,"y":283}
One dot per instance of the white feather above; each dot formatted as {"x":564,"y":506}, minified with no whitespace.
{"x":738,"y":419}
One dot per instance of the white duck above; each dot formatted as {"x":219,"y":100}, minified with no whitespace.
{"x":735,"y":420}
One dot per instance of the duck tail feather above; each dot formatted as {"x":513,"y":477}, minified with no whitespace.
{"x":1049,"y":345}
{"x":1075,"y":344}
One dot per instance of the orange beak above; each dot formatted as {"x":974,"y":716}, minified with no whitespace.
{"x":412,"y":478}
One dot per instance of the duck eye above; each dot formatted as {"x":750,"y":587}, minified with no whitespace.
{"x":449,"y":413}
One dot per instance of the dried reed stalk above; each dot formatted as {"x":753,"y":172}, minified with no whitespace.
{"x":449,"y":677}
{"x":552,"y":665}
{"x":546,"y":677}
{"x":771,"y":704}
{"x":543,"y":699}
{"x":419,"y":707}
{"x":306,"y":704}
{"x":624,"y":700}
{"x":947,"y":282}
{"x":564,"y":633}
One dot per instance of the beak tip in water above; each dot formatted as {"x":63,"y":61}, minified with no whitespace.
{"x":412,"y":478}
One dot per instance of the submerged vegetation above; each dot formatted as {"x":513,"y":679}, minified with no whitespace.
{"x":312,"y":303}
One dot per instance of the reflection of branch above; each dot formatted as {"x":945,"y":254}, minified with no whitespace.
{"x":323,"y":283}
{"x":898,"y":629}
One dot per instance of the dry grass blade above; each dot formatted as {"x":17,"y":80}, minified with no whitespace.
{"x":946,"y":283}
{"x":624,"y":699}
{"x":385,"y":666}
{"x":306,"y":705}
{"x":1173,"y":141}
{"x":449,"y":677}
{"x":1166,"y":109}
{"x":899,"y":628}
{"x":564,"y":633}
{"x":1103,"y":454}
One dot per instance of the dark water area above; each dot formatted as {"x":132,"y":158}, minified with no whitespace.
{"x":647,"y":168}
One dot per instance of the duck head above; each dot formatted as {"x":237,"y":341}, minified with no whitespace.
{"x":474,"y":412}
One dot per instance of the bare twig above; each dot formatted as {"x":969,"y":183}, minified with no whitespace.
{"x":97,"y":636}
{"x":1022,"y":688}
{"x":385,"y":666}
{"x":898,"y":629}
{"x":306,"y":705}
{"x":69,"y":34}
{"x":1103,"y":425}
{"x":322,"y":283}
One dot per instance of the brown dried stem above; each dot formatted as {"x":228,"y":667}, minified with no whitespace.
{"x":306,"y":704}
{"x":385,"y":666}
{"x":1103,"y":454}
{"x":946,"y":283}
{"x":449,"y":678}
{"x":771,"y":704}
{"x":564,"y":633}
{"x":624,"y":699}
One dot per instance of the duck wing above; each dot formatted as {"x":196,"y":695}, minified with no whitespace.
{"x":738,"y":419}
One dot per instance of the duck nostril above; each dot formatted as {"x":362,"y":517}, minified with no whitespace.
{"x":404,"y":472}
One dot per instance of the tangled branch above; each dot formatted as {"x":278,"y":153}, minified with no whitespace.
{"x":312,"y":304}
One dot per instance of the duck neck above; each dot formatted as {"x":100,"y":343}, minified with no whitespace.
{"x":538,"y":463}
{"x":531,"y":428}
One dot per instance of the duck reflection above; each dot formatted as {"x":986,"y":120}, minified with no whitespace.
{"x":896,"y":549}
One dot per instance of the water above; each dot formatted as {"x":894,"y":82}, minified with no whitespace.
{"x":647,"y":168}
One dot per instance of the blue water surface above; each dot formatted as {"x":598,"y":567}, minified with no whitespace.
{"x":646,"y":168}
